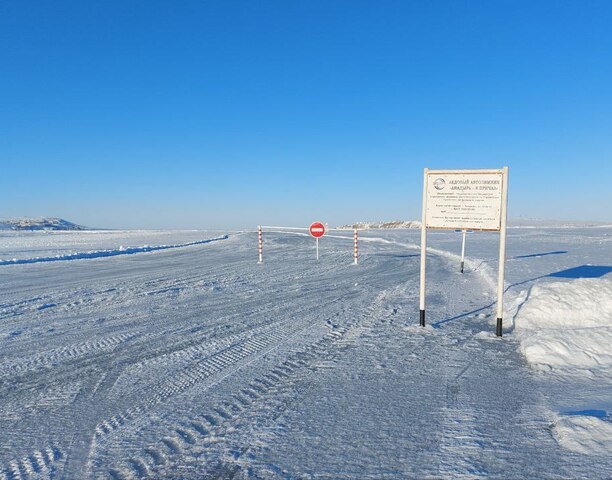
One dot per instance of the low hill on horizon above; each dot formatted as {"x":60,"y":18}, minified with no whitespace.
{"x":391,"y":224}
{"x":43,"y":223}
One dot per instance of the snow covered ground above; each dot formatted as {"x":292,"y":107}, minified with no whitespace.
{"x":196,"y":362}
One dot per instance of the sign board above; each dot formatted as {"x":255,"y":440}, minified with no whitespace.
{"x":464,"y":199}
{"x":317,"y":229}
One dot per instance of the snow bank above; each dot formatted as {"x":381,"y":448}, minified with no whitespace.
{"x":567,"y":326}
{"x":106,"y":253}
{"x":584,"y":434}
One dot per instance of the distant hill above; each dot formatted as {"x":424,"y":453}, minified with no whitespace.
{"x":519,"y":222}
{"x":392,"y":224}
{"x":48,"y":223}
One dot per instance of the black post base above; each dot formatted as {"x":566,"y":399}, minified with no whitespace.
{"x":498,"y":329}
{"x":422,"y":318}
{"x":461,"y":267}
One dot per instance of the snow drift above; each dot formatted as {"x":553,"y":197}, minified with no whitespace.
{"x":586,"y":434}
{"x":107,"y":253}
{"x":567,"y":326}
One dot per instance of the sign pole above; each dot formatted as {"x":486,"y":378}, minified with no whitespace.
{"x":260,"y":243}
{"x":423,"y":251}
{"x":502,"y":253}
{"x":355,"y":246}
{"x":317,"y":229}
{"x":466,"y":200}
{"x":462,"y":249}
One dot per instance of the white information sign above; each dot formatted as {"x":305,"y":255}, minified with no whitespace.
{"x":464,"y":199}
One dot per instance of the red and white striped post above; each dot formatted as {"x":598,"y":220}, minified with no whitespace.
{"x":355,"y":246}
{"x":260,"y":243}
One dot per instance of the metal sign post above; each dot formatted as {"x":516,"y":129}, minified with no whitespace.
{"x":462,"y":248}
{"x":465,"y":200}
{"x":317,"y":230}
{"x":423,"y":252}
{"x":502,"y":254}
{"x":463,"y":237}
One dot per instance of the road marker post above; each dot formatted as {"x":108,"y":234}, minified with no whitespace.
{"x":260,"y":243}
{"x":355,"y":247}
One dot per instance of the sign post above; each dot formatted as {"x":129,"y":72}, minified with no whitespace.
{"x":423,"y":251}
{"x":317,"y":230}
{"x":465,"y":199}
{"x":463,"y":232}
{"x":502,"y":254}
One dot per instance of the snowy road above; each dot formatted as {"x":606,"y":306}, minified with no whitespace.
{"x":197,"y":362}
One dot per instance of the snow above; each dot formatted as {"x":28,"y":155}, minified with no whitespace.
{"x":567,"y":326}
{"x":566,"y":329}
{"x":198,"y":362}
{"x":33,"y":244}
{"x":107,"y":253}
{"x":585,"y":434}
{"x":44,"y":223}
{"x":383,"y":225}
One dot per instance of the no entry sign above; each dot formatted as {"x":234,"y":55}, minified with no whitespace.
{"x":317,"y":229}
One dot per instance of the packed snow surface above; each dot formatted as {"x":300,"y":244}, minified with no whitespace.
{"x":197,"y":362}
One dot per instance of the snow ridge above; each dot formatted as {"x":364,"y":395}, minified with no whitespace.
{"x":107,"y":253}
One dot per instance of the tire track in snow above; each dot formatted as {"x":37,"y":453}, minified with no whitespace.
{"x":116,"y":421}
{"x":187,"y":435}
{"x":224,"y":363}
{"x":129,"y":357}
{"x":38,"y":464}
{"x":63,"y":354}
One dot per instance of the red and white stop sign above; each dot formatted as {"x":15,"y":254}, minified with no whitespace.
{"x":317,"y":229}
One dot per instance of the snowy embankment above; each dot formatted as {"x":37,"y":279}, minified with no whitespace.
{"x":107,"y":253}
{"x":566,"y":328}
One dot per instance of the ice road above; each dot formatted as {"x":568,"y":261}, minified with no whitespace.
{"x":193,"y":361}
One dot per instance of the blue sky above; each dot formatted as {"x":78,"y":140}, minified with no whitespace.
{"x":145,"y":114}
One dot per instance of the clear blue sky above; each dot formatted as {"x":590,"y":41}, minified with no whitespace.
{"x":228,"y":114}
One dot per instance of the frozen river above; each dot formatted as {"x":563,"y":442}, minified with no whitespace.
{"x":194,"y":361}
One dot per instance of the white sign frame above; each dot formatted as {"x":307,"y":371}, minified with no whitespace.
{"x":479,"y":214}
